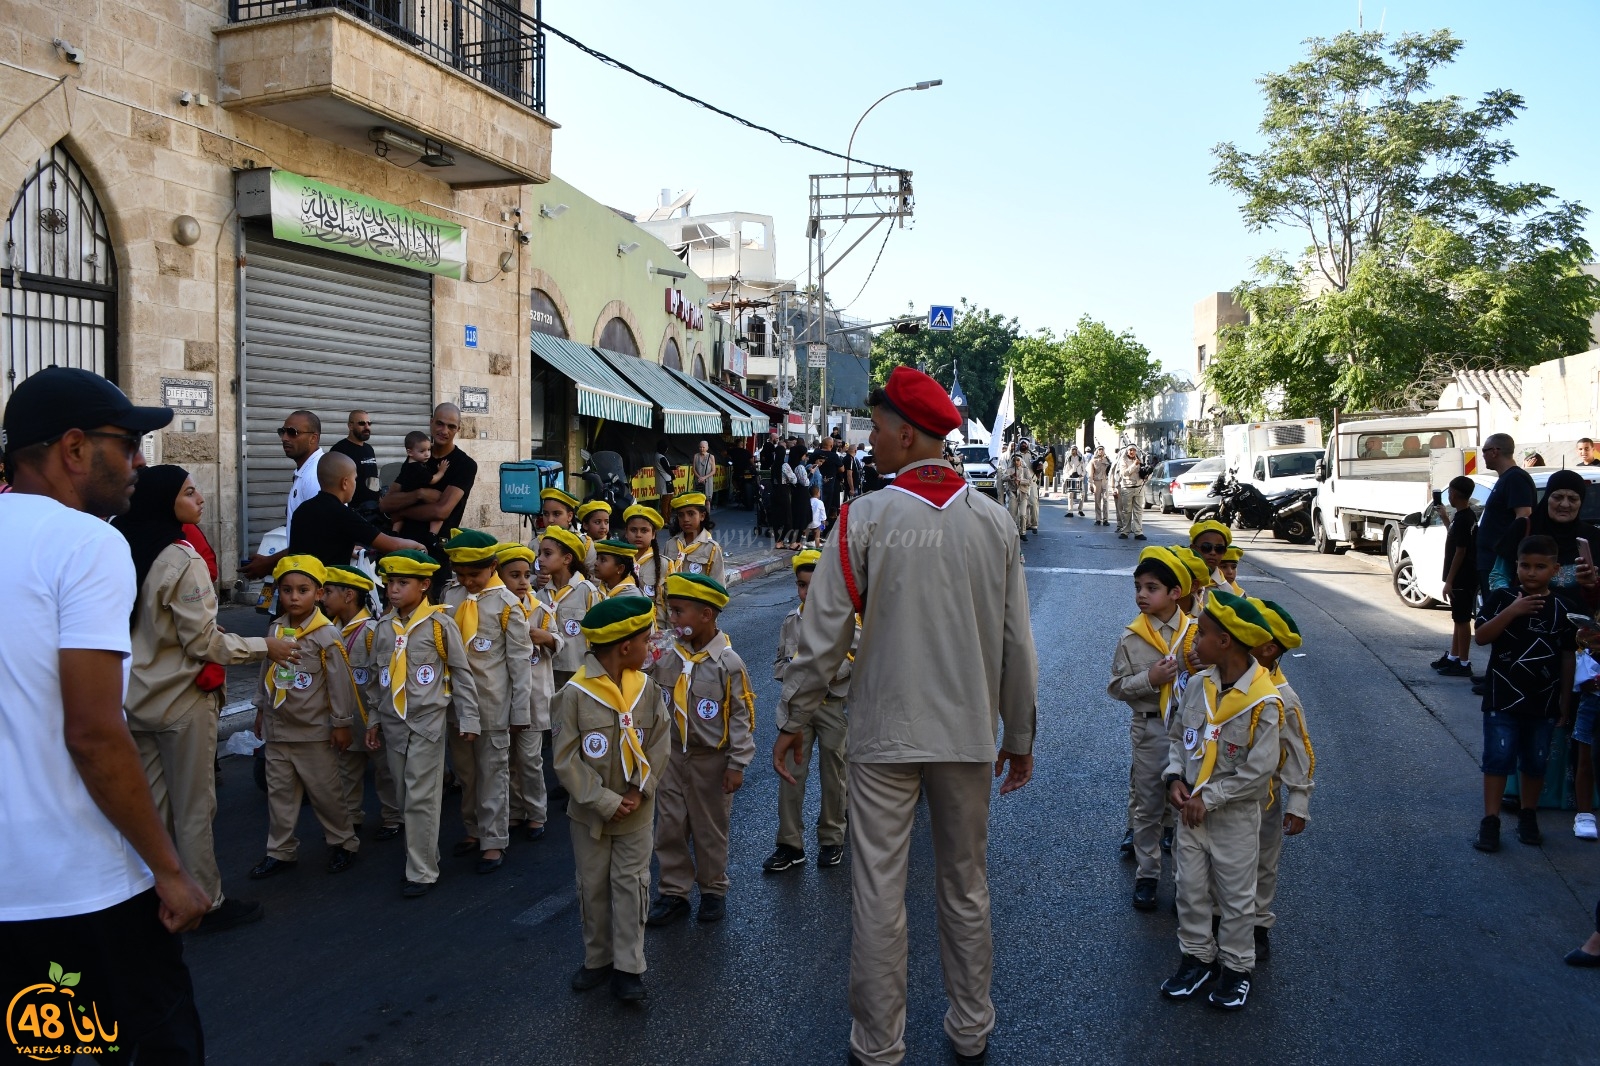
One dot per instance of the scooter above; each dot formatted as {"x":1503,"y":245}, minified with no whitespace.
{"x":1287,"y":513}
{"x":607,"y":478}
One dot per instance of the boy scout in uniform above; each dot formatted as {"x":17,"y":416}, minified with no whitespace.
{"x":610,"y":731}
{"x":1223,"y":752}
{"x":827,"y":730}
{"x":1019,"y":483}
{"x":1297,"y":766}
{"x":1228,"y":569}
{"x":494,"y":627}
{"x":425,"y":677}
{"x":714,"y":716}
{"x":1144,"y":669}
{"x":302,"y":709}
{"x":529,"y":799}
{"x":345,"y":595}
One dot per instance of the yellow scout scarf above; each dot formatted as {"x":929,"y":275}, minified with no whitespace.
{"x":688,"y":552}
{"x":345,"y":633}
{"x":467,"y":613}
{"x":397,"y":659}
{"x":318,"y":620}
{"x":626,"y":587}
{"x":1218,"y":714}
{"x":680,"y":687}
{"x":623,"y":701}
{"x":1151,"y":635}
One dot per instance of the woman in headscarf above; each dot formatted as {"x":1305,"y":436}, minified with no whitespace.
{"x":799,"y":495}
{"x":1557,"y":517}
{"x":176,"y":679}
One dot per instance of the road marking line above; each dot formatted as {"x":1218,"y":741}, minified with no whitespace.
{"x":546,"y":909}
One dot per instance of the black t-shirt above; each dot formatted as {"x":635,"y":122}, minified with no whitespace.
{"x":329,"y":530}
{"x":1514,"y":489}
{"x":366,"y":461}
{"x":830,"y":463}
{"x":462,"y":474}
{"x":1463,"y":534}
{"x":1524,"y":676}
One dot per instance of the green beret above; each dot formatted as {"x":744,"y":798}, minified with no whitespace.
{"x":617,"y":619}
{"x":697,"y":587}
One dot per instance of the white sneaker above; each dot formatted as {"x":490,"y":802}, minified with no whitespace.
{"x":1583,"y":827}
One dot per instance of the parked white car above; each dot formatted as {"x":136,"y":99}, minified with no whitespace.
{"x":978,"y":467}
{"x":1189,"y":489}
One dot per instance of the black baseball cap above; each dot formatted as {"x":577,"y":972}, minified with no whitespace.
{"x":60,"y":398}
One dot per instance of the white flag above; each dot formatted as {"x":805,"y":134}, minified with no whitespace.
{"x":1002,"y":418}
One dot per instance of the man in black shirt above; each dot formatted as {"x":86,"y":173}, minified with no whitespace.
{"x":1512,"y":498}
{"x":831,"y":464}
{"x":446,"y":501}
{"x":354,"y":444}
{"x":326,"y":527}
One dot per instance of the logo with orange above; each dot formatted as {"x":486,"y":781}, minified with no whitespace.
{"x":45,"y":1022}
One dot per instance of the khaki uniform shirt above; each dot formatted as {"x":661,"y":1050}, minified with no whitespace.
{"x":720,"y":709}
{"x":946,"y":649}
{"x":498,"y":655}
{"x":1246,"y":758}
{"x":1297,"y":764}
{"x":1019,"y":473}
{"x":360,"y":637}
{"x":175,"y":634}
{"x":789,"y":647}
{"x":541,"y":663}
{"x":570,"y":603}
{"x":1131,"y":663}
{"x":699,"y":556}
{"x":1128,"y":474}
{"x":437,"y":679}
{"x":591,"y":769}
{"x":322,"y":695}
{"x":626,"y":587}
{"x":1099,"y":470}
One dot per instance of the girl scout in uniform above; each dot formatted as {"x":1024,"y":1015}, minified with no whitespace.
{"x":529,"y":801}
{"x":569,"y":594}
{"x":1210,"y":540}
{"x":560,"y":509}
{"x":691,"y":549}
{"x":1228,"y":569}
{"x":424,"y":676}
{"x":494,"y":627}
{"x":609,"y":733}
{"x":594,"y":520}
{"x":613,"y":567}
{"x":345,"y":596}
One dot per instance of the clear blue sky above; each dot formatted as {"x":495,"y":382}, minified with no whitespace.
{"x":1061,"y":170}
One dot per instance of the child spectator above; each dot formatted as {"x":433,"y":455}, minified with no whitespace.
{"x":1533,"y":642}
{"x":1460,"y":578}
{"x":414,"y":474}
{"x":1586,"y":683}
{"x":529,"y":797}
{"x":819,"y":519}
{"x":692,"y":549}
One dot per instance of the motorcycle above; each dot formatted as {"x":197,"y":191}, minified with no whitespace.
{"x":1287,"y":513}
{"x":607,"y":478}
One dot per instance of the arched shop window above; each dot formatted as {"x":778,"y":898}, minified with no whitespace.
{"x":700,"y":367}
{"x":58,"y":276}
{"x":544,"y":316}
{"x":617,"y":337}
{"x":670,"y":357}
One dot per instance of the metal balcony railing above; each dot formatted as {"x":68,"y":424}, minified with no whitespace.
{"x":492,"y":41}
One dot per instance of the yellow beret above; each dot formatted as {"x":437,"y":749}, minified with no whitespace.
{"x":587,"y":509}
{"x":1233,"y":554}
{"x":697,"y":587}
{"x":471,"y":547}
{"x":618,"y":618}
{"x":1180,"y":570}
{"x":1210,"y":525}
{"x":308,"y":565}
{"x":408,"y":563}
{"x":349,"y":577}
{"x":1199,"y":572}
{"x":560,"y":497}
{"x":639,"y":510}
{"x":688,"y":499}
{"x":616,"y":547}
{"x":567,"y":539}
{"x":508,"y":553}
{"x":810,"y":557}
{"x":1235,"y":614}
{"x":1285,"y":634}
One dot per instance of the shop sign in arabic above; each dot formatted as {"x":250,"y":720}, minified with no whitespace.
{"x":310,"y":212}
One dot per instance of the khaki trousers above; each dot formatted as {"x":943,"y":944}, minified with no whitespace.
{"x":1267,"y":865}
{"x":1033,"y":506}
{"x":483,"y":767}
{"x":613,"y":896}
{"x":1217,"y":875}
{"x":417,"y":764}
{"x":296,"y":769}
{"x":1017,"y":504}
{"x":827,"y":730}
{"x":528,"y":800}
{"x":180,"y":764}
{"x":692,"y":806}
{"x":883,"y":804}
{"x":1102,"y":500}
{"x":1130,"y":510}
{"x":1148,"y":794}
{"x":353,"y":764}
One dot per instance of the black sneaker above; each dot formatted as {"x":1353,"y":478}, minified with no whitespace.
{"x":1126,"y":847}
{"x":1528,"y":827}
{"x":229,"y":913}
{"x":1488,"y":834}
{"x":415,"y":889}
{"x":1138,"y":536}
{"x":585,"y":978}
{"x":783,"y":858}
{"x":1122,"y":536}
{"x":1442,"y":661}
{"x":340,"y":860}
{"x":1233,"y":988}
{"x":1456,"y":670}
{"x":1144,"y":894}
{"x":1191,"y":977}
{"x":1166,"y":840}
{"x":628,"y":987}
{"x":712,"y":909}
{"x":666,"y":910}
{"x":1263,"y":945}
{"x":830,"y":855}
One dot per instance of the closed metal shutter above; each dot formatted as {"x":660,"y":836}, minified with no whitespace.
{"x":328,"y":333}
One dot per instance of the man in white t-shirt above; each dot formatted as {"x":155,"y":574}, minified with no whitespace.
{"x":301,"y":436}
{"x":89,"y":878}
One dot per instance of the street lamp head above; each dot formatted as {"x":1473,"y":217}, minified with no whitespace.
{"x":928,"y":84}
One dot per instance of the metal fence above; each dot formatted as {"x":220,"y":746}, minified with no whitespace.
{"x":492,"y":41}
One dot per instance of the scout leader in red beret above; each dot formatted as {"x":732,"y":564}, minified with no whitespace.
{"x":934,"y":570}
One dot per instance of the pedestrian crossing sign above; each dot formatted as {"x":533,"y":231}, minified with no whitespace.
{"x":941,"y":317}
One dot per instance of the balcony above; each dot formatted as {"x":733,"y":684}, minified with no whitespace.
{"x":462,"y":80}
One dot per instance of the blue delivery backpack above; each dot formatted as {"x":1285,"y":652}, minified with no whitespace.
{"x":522,"y":481}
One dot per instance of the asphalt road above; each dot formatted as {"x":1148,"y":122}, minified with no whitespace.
{"x":1395,"y":942}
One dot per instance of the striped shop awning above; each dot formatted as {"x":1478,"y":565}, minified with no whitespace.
{"x":682,"y":409}
{"x":743,"y":420}
{"x":602,"y":392}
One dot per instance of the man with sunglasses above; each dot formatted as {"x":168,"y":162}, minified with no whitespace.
{"x":301,"y":437}
{"x":355,"y":444}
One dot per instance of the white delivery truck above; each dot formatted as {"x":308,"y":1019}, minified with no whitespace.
{"x":1378,"y":472}
{"x":1274,"y":456}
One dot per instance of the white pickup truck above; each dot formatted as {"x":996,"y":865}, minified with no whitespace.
{"x":1377,"y":472}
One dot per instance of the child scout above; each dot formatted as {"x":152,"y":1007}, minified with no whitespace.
{"x":1223,"y":752}
{"x":345,"y":598}
{"x":613,"y":567}
{"x":529,"y":799}
{"x":1144,"y":669}
{"x":827,"y":730}
{"x":714,"y":717}
{"x":692,"y":549}
{"x":560,"y":509}
{"x":305,"y":716}
{"x":424,"y":676}
{"x":569,"y":594}
{"x":494,"y":627}
{"x":609,"y":732}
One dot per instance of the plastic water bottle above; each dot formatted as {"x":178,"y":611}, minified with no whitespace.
{"x":284,"y":675}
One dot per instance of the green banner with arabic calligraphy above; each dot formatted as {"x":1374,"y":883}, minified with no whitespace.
{"x":309,"y":212}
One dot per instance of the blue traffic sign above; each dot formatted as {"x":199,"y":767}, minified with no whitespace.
{"x":941,"y":317}
{"x":472,"y":336}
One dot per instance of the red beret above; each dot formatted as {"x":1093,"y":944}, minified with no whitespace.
{"x":921,"y":401}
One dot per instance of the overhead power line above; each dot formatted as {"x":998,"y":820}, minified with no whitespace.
{"x":695,"y":100}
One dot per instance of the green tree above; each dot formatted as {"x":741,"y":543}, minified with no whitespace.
{"x":979,"y":345}
{"x":1061,"y":384}
{"x":1421,"y":258}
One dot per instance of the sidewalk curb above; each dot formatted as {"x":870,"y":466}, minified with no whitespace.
{"x":771,"y":564}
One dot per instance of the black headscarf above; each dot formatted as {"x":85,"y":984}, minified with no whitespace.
{"x":151,"y":523}
{"x":1540,"y":523}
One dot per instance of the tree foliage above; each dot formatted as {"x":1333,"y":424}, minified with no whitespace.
{"x":1420,"y":258}
{"x":1063,"y":383}
{"x":978,"y":344}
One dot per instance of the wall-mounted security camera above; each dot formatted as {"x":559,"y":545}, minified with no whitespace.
{"x":70,"y":52}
